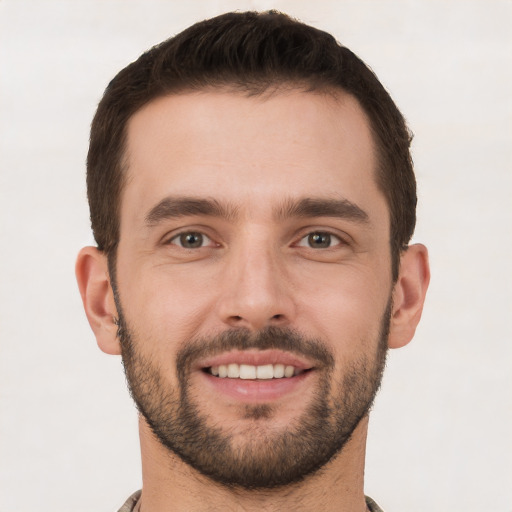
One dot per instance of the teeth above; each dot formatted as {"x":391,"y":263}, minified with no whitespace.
{"x":233,"y":371}
{"x":248,"y":371}
{"x":265,"y":372}
{"x":288,"y":371}
{"x":279,"y":371}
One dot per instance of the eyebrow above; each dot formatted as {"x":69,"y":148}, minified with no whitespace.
{"x":312,"y":207}
{"x":175,"y":207}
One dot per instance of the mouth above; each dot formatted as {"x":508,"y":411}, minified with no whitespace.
{"x":255,"y":376}
{"x":255,"y":372}
{"x":255,"y":365}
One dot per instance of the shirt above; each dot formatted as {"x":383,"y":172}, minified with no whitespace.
{"x":132,"y":504}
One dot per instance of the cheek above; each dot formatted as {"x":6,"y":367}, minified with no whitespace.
{"x":345,"y":307}
{"x":165,"y":308}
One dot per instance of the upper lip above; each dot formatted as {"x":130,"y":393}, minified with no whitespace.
{"x":255,"y":357}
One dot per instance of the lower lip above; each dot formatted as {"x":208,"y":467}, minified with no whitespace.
{"x":256,"y":391}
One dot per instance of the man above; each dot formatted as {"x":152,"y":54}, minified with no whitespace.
{"x":252,"y":197}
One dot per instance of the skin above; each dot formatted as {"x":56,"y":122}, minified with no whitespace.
{"x":254,"y":156}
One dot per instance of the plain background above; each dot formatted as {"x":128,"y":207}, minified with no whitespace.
{"x":441,"y":432}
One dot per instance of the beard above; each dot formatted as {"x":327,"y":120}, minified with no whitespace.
{"x":267,"y":457}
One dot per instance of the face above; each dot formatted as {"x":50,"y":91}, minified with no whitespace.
{"x":253,"y":279}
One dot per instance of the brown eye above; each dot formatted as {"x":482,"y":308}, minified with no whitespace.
{"x":319,"y":240}
{"x":190,"y":240}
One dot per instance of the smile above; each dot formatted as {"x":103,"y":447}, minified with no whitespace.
{"x":255,"y":376}
{"x":253,"y":372}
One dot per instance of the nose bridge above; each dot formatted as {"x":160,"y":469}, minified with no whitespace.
{"x":258,"y":272}
{"x":256,"y":291}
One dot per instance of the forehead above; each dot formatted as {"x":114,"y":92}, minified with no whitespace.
{"x":249,"y":150}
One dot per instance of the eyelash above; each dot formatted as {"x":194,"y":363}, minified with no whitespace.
{"x":183,"y":234}
{"x":309,"y":237}
{"x":304,"y":241}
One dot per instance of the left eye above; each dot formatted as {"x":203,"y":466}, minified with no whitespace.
{"x":319,"y":240}
{"x":191,"y":240}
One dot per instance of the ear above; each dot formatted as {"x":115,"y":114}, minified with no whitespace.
{"x":98,"y":298}
{"x":409,"y":295}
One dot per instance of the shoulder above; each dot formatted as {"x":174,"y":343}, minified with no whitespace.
{"x":372,"y":506}
{"x":130,"y":503}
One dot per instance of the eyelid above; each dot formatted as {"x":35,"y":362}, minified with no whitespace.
{"x":303,"y":242}
{"x":170,"y":238}
{"x":205,"y":239}
{"x":342,"y":238}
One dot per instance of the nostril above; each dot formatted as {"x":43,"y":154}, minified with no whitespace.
{"x":277,"y":317}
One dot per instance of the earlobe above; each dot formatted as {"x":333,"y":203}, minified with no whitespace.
{"x":409,"y":295}
{"x":98,"y":298}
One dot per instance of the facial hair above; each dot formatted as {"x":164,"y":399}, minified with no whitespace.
{"x":269,"y":458}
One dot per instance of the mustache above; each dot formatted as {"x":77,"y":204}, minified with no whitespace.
{"x":278,"y":338}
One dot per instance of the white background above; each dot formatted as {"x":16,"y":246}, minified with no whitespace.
{"x":441,"y":432}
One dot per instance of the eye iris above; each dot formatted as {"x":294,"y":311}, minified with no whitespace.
{"x":191,"y":240}
{"x":319,"y":240}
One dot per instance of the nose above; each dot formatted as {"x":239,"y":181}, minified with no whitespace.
{"x":256,"y":291}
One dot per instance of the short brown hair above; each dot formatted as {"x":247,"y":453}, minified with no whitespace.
{"x":250,"y":52}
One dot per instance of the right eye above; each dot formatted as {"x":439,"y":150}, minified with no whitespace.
{"x":191,"y":240}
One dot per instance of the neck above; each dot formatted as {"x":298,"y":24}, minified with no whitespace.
{"x":169,"y":484}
